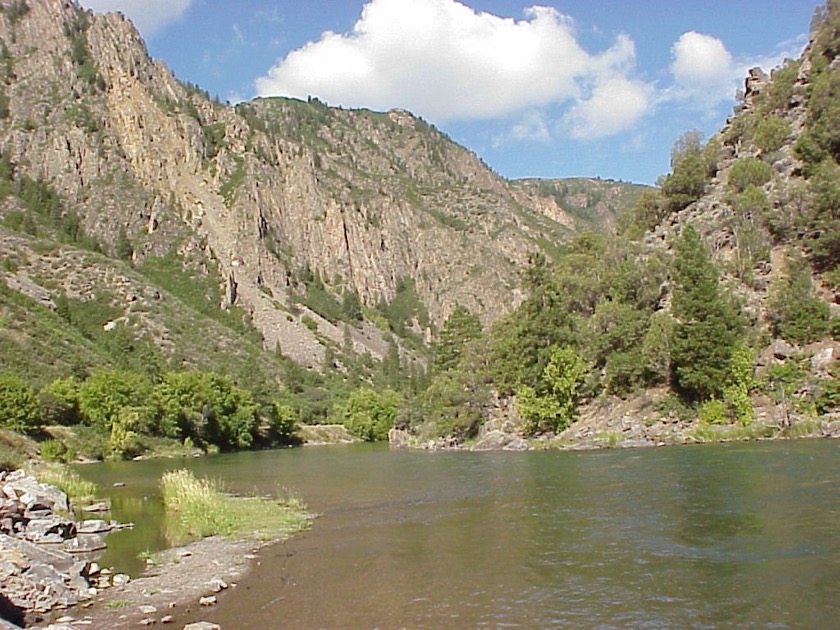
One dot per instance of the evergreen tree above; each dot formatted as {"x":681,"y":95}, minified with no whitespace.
{"x":796,"y":313}
{"x":461,"y":327}
{"x":708,"y":323}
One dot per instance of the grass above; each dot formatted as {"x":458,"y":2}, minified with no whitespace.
{"x":802,"y":428}
{"x":734,"y":433}
{"x":197,"y":508}
{"x":78,"y":490}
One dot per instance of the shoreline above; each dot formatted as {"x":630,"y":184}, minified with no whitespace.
{"x":171,"y":589}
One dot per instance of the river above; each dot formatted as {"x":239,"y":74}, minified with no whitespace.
{"x":713,"y":536}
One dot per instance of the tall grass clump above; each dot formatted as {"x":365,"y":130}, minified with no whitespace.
{"x":78,"y":490}
{"x":197,"y":508}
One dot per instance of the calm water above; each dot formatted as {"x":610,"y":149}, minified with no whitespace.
{"x":682,"y":537}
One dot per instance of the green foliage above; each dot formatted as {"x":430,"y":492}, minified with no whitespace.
{"x":318,"y":298}
{"x":197,"y":508}
{"x":771,"y":133}
{"x":15,"y":10}
{"x":455,"y":401}
{"x":18,"y":404}
{"x":404,"y":309}
{"x":459,"y":329}
{"x":748,"y":172}
{"x":552,"y":407}
{"x":214,"y":139}
{"x":708,"y":325}
{"x":58,"y":402}
{"x":230,"y":188}
{"x":796,"y":313}
{"x":104,"y":395}
{"x":123,"y":249}
{"x":282,"y":422}
{"x":645,"y":215}
{"x":86,"y":68}
{"x":713,"y":411}
{"x":691,"y":168}
{"x":124,"y":441}
{"x":207,"y":408}
{"x":55,"y":451}
{"x":828,"y":400}
{"x":369,"y":414}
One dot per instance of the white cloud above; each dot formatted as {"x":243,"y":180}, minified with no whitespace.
{"x":445,"y":61}
{"x":614,"y":105}
{"x":703,"y":71}
{"x":149,"y":16}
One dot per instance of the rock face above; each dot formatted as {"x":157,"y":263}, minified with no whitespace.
{"x":266,"y":191}
{"x":37,"y":574}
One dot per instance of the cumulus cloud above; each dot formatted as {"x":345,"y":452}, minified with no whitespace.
{"x":149,"y":16}
{"x":614,"y":105}
{"x":703,"y":70}
{"x":445,"y":61}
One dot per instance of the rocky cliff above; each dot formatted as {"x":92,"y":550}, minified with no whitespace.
{"x":267,"y":195}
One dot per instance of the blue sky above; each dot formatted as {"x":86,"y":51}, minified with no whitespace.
{"x":557,"y":88}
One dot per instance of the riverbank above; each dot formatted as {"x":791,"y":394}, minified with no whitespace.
{"x":178,"y":582}
{"x":637,"y":422}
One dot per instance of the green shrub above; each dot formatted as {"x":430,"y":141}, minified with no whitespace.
{"x":58,"y":402}
{"x":796,"y":313}
{"x":771,"y":133}
{"x":747,"y":172}
{"x":369,"y":414}
{"x":55,"y":451}
{"x":104,"y":395}
{"x":713,"y":411}
{"x":18,"y":404}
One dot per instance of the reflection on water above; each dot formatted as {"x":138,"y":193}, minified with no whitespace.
{"x":699,"y":537}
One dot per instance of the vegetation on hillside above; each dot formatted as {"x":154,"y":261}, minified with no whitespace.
{"x":609,"y":313}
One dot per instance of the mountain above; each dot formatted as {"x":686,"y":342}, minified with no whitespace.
{"x":312,"y":224}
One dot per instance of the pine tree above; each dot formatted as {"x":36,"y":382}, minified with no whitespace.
{"x":709,"y":324}
{"x":461,"y":327}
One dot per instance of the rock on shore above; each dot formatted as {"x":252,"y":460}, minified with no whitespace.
{"x":42,"y":549}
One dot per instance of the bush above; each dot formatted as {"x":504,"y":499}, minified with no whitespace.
{"x":18,"y":405}
{"x":55,"y":451}
{"x":796,"y":313}
{"x":713,"y":411}
{"x":58,"y":402}
{"x":749,"y":172}
{"x":771,"y":133}
{"x":553,"y":408}
{"x":105,"y":394}
{"x":369,"y":414}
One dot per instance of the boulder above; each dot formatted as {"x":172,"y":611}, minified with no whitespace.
{"x":52,"y":529}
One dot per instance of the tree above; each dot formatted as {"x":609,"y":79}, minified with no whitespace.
{"x":708,"y":323}
{"x":59,"y":402}
{"x":369,"y":414}
{"x":689,"y":172}
{"x":747,"y":172}
{"x":552,"y":406}
{"x":795,"y":312}
{"x":460,"y":328}
{"x":208,"y":408}
{"x":18,"y":405}
{"x":106,"y":393}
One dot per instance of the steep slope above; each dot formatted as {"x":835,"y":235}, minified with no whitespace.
{"x":275,"y":196}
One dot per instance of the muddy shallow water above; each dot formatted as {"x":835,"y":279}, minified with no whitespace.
{"x":743,"y":535}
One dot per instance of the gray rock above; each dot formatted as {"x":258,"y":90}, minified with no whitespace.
{"x":493,"y":441}
{"x":94,"y":526}
{"x":53,"y":529}
{"x":782,"y":350}
{"x":823,"y":359}
{"x":202,"y":625}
